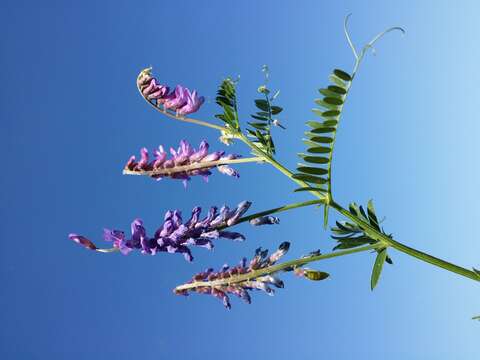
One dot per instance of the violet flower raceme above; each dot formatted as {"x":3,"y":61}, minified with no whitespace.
{"x":184,"y":163}
{"x":240,"y":279}
{"x":174,"y":235}
{"x":181,"y":100}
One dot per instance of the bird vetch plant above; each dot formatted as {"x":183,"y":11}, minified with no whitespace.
{"x":359,"y":231}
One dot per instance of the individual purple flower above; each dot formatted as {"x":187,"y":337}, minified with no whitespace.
{"x":193,"y":103}
{"x":176,"y":100}
{"x":227,"y":170}
{"x":184,"y":162}
{"x":143,"y":163}
{"x":118,"y":239}
{"x":155,"y":91}
{"x":237,"y":280}
{"x":175,"y":235}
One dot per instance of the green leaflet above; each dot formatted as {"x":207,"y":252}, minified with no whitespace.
{"x":312,"y":170}
{"x":310,"y":178}
{"x":342,"y":75}
{"x":337,"y":89}
{"x":262,"y":105}
{"x":322,"y":139}
{"x":329,"y":93}
{"x":314,"y":124}
{"x":330,"y":123}
{"x":315,"y":159}
{"x":322,"y":130}
{"x":276,"y":110}
{"x":333,"y":101}
{"x":310,"y":189}
{"x":377,"y":267}
{"x":331,"y":113}
{"x":372,"y":216}
{"x":318,"y":149}
{"x":337,"y":81}
{"x":323,"y":103}
{"x":257,"y":117}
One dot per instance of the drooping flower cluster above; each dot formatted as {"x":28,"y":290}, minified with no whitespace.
{"x":175,"y":235}
{"x":181,"y":100}
{"x":184,"y":162}
{"x":240,"y":279}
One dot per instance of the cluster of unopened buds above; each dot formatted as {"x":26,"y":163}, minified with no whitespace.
{"x":260,"y":273}
{"x":180,"y":100}
{"x":184,"y":162}
{"x":175,"y":235}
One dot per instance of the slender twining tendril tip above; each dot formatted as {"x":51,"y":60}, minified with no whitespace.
{"x":174,"y":235}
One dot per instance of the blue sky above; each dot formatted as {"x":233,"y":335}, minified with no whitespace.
{"x":71,"y":116}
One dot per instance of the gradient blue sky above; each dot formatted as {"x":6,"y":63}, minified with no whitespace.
{"x":70,"y":117}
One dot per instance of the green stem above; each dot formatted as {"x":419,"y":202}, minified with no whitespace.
{"x":275,"y":268}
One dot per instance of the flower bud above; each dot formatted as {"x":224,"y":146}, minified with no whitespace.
{"x":86,"y":243}
{"x":263,"y":90}
{"x":310,"y":274}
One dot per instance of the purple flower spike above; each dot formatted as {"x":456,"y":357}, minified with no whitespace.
{"x":174,"y":235}
{"x":185,"y":162}
{"x":227,"y":281}
{"x":181,"y":100}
